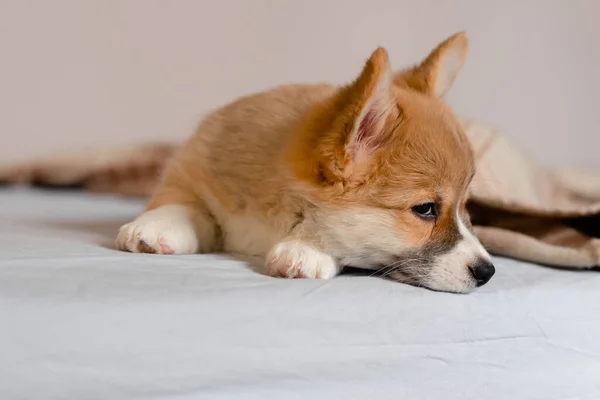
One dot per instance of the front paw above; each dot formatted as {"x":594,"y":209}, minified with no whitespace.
{"x":166,"y":230}
{"x":294,"y":259}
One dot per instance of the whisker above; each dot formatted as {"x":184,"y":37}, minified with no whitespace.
{"x":400,"y":266}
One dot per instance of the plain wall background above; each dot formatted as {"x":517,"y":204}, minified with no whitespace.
{"x":80,"y":73}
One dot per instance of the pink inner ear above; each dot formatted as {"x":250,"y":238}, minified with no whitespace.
{"x":366,"y":127}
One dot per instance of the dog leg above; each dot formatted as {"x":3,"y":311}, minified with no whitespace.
{"x":300,"y":255}
{"x":176,"y":222}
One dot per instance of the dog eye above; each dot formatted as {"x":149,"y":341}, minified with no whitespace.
{"x":425,"y":210}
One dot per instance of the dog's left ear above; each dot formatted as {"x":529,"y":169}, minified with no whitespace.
{"x":437,"y":72}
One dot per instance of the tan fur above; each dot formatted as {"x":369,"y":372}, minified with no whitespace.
{"x":423,"y":76}
{"x":310,"y":173}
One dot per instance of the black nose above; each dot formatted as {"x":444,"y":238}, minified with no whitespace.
{"x":482,"y":272}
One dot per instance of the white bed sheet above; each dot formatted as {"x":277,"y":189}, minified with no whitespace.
{"x":79,"y":320}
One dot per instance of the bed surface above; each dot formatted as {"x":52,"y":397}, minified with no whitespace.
{"x":79,"y":320}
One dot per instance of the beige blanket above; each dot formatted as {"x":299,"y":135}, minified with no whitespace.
{"x":518,"y":208}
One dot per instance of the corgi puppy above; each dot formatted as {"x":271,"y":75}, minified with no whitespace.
{"x":372,"y":174}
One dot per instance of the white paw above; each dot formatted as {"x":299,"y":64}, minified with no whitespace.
{"x":298,"y":260}
{"x":165,"y":230}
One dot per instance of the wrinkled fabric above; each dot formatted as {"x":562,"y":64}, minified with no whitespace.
{"x":81,"y":320}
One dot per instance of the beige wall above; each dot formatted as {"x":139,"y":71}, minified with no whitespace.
{"x":84,"y":73}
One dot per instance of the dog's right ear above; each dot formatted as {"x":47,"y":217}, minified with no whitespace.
{"x":368,"y":106}
{"x":437,"y":72}
{"x":341,"y":138}
{"x":365,"y":108}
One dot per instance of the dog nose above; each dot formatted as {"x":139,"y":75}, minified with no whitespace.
{"x":482,"y":272}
